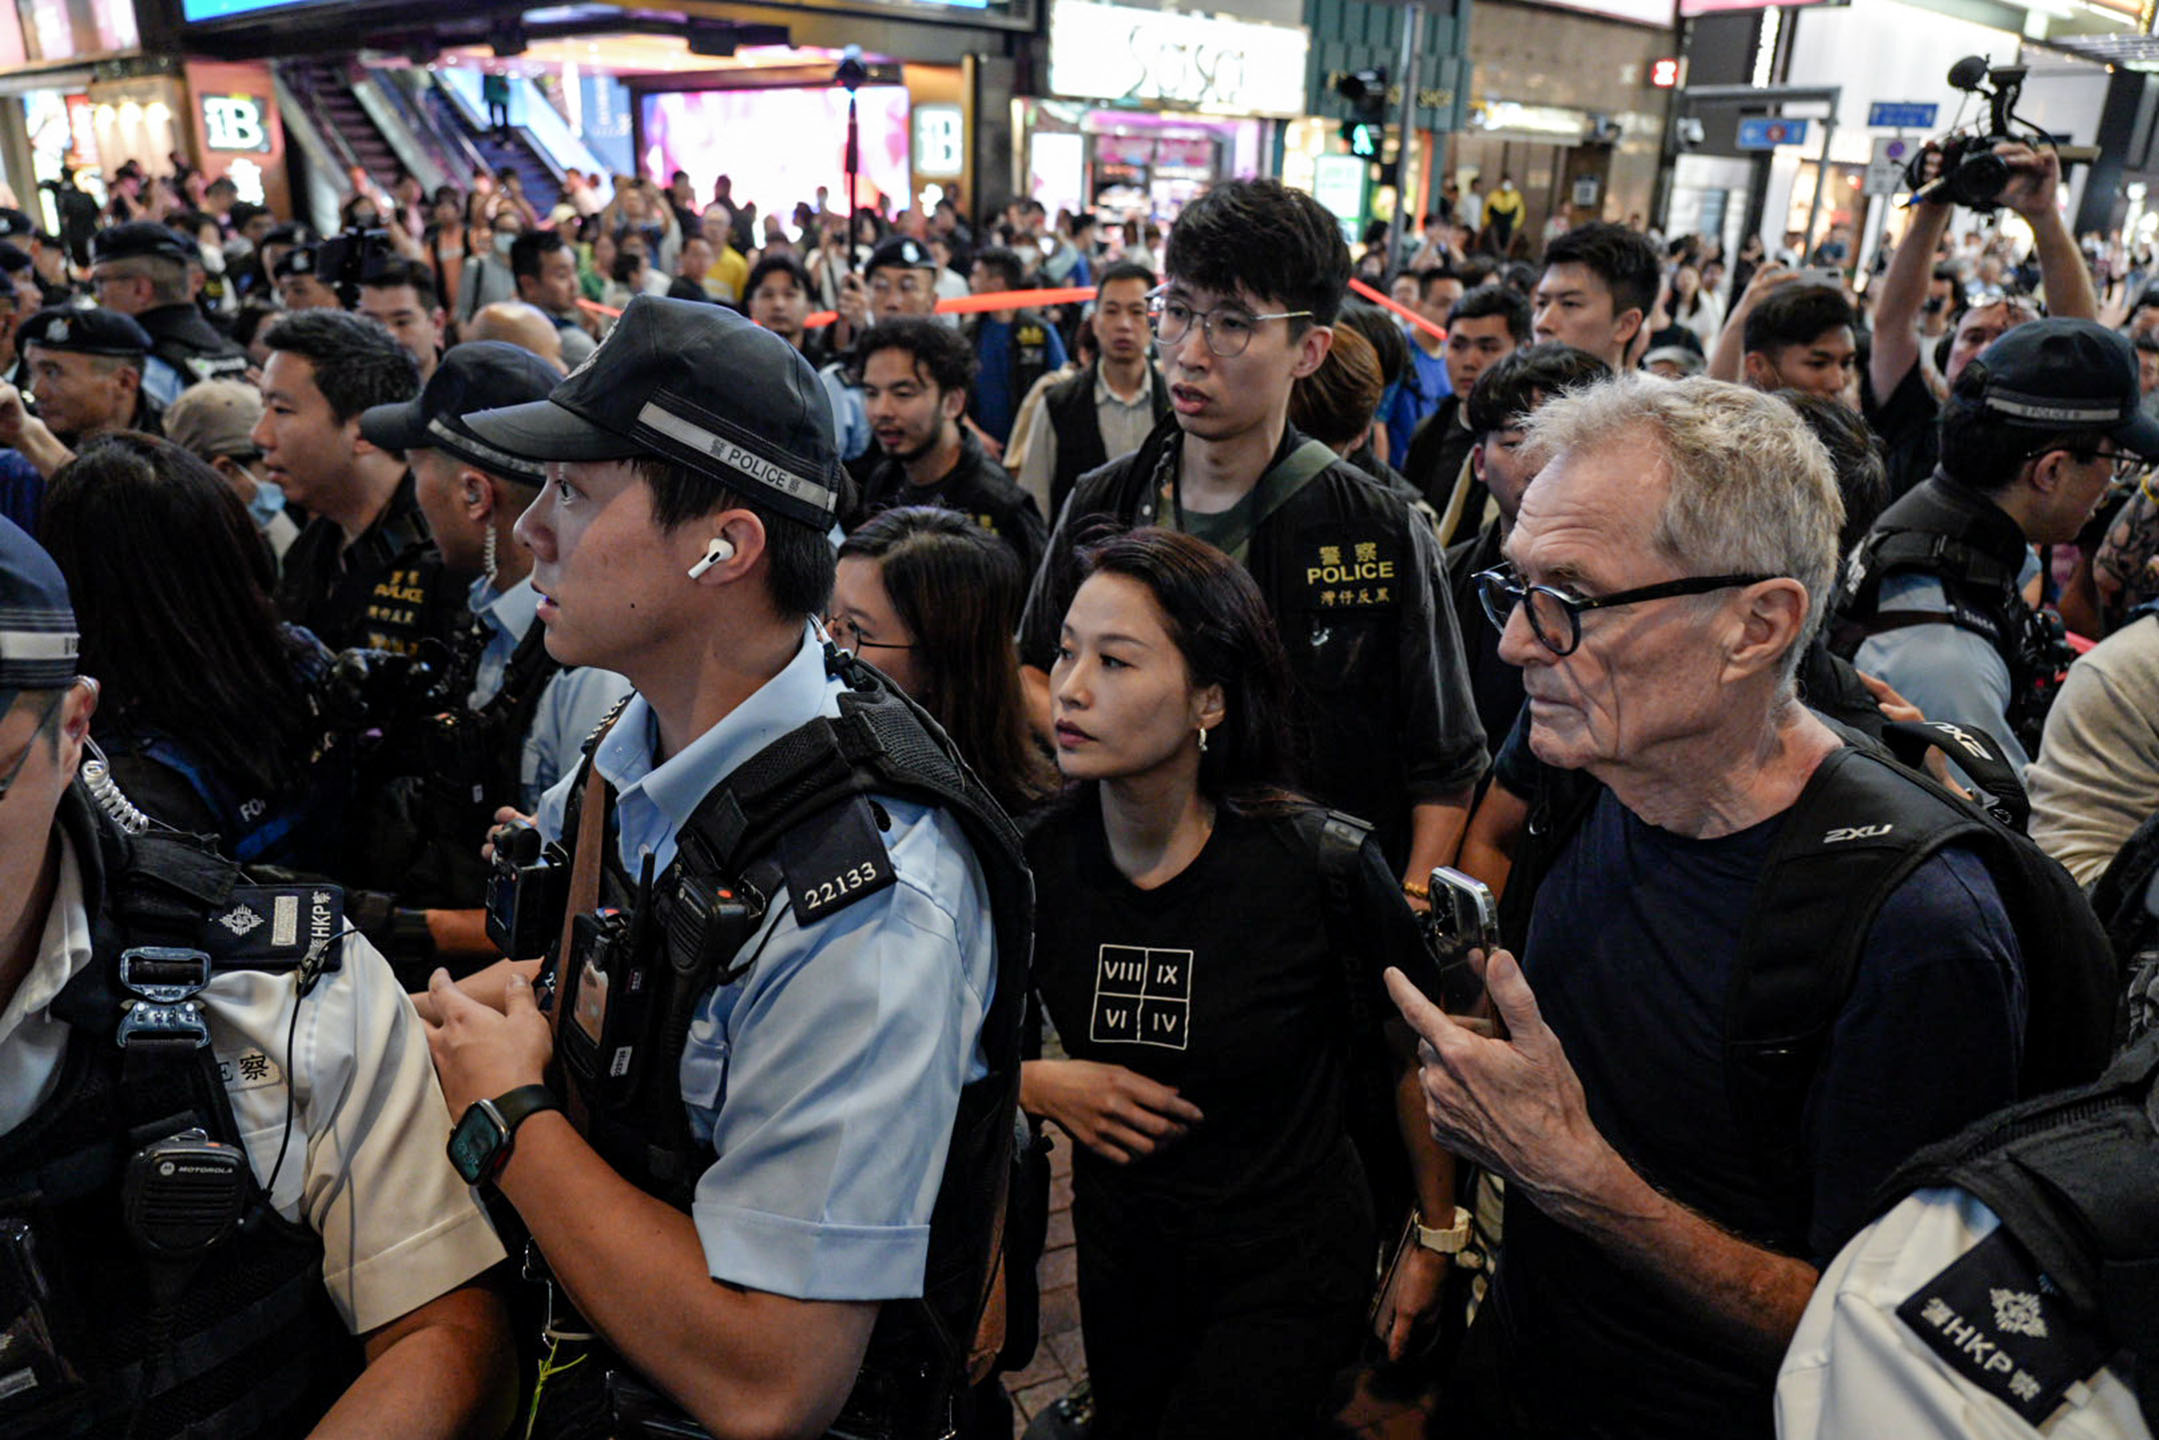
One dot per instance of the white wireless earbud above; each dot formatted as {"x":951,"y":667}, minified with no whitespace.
{"x":720,"y":550}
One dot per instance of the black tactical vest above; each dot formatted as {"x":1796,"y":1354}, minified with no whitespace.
{"x":181,"y":338}
{"x":804,"y":806}
{"x":1976,"y":553}
{"x":250,"y":1345}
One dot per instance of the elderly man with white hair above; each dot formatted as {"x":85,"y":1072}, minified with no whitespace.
{"x":1669,"y":1208}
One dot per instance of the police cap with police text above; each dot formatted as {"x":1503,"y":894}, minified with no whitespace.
{"x":697,"y":385}
{"x":39,"y":641}
{"x":84,"y":332}
{"x":2060,"y":374}
{"x":900,"y":252}
{"x":478,"y":375}
{"x":140,"y":240}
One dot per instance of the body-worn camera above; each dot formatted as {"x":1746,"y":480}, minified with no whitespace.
{"x":526,"y":890}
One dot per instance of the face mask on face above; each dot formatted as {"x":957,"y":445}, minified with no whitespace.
{"x":213,"y":259}
{"x":503,"y":244}
{"x":365,"y":219}
{"x":269,"y":500}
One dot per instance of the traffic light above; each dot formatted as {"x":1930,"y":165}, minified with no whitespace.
{"x":1364,"y":138}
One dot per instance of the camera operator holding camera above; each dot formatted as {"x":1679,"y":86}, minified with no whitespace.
{"x":1894,"y":395}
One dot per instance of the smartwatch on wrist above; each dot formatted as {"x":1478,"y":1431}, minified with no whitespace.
{"x":1448,"y":1241}
{"x":480,"y":1145}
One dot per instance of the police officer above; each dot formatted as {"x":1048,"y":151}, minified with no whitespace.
{"x":300,"y":285}
{"x":2034,"y":430}
{"x":900,"y":278}
{"x":144,"y":270}
{"x":798,"y":1000}
{"x":85,"y":369}
{"x":523,"y":716}
{"x":221,"y":1221}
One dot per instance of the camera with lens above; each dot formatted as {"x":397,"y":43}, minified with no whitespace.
{"x":526,"y":890}
{"x":351,"y":258}
{"x":1970,"y":174}
{"x":382,"y":689}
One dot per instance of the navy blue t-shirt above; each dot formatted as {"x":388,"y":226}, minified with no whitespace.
{"x":1630,"y":954}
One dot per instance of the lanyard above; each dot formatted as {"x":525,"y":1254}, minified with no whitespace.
{"x":1275,"y":489}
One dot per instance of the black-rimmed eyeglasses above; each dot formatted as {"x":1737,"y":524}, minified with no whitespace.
{"x":1555,"y":617}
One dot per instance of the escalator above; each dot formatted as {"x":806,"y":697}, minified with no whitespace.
{"x":455,"y":110}
{"x":323,"y":91}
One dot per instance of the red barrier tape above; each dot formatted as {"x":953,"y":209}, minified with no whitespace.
{"x":1402,"y":310}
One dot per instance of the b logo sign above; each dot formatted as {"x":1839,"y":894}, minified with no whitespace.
{"x":235,"y":122}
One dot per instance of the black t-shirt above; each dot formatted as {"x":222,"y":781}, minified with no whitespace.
{"x":1224,"y":983}
{"x":977,"y":487}
{"x":1437,"y":452}
{"x":1908,"y":424}
{"x":1496,"y":684}
{"x":1630,"y":954}
{"x":387,"y":590}
{"x":1357,"y":588}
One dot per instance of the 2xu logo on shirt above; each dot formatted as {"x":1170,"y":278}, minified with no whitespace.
{"x":1142,"y":997}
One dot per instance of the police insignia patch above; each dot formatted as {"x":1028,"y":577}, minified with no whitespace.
{"x":239,"y":920}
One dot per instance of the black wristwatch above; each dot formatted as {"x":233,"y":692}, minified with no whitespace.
{"x":480,"y":1145}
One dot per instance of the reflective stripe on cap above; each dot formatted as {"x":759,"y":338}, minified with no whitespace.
{"x":2068,"y":413}
{"x":30,"y":647}
{"x":764,"y":471}
{"x":480,"y":452}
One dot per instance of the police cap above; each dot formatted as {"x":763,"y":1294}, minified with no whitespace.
{"x":140,"y":240}
{"x":15,"y":225}
{"x":84,"y":332}
{"x":900,"y":252}
{"x":697,"y":385}
{"x":300,"y":260}
{"x":38,"y":638}
{"x":2062,"y":374}
{"x":478,"y":375}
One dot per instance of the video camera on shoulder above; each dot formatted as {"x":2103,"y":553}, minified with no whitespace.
{"x":527,"y":888}
{"x":1970,"y":173}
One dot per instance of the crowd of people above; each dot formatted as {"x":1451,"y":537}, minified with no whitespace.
{"x":1506,"y":813}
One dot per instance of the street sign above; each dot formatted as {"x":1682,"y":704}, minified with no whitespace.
{"x":1885,"y":168}
{"x":1901,"y":115}
{"x":1762,"y":132}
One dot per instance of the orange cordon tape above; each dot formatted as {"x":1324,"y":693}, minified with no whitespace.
{"x":1402,"y":310}
{"x":974,"y":304}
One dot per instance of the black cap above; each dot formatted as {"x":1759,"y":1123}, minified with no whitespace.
{"x":83,"y":332}
{"x":902,"y":252}
{"x":698,"y":385}
{"x":140,"y":240}
{"x":292,"y":232}
{"x":15,"y":225}
{"x":478,"y":375}
{"x":299,"y":260}
{"x":13,"y":258}
{"x":38,"y":638}
{"x":2061,"y":374}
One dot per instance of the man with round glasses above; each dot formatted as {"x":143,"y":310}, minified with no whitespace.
{"x":1659,"y":594}
{"x":1353,"y":578}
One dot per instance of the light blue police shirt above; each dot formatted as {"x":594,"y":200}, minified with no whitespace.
{"x":850,"y":417}
{"x":827,"y":1078}
{"x":1949,"y":672}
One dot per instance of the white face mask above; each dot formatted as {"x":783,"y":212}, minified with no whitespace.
{"x":503,"y":244}
{"x":213,"y":259}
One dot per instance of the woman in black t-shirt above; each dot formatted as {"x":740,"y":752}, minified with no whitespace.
{"x":1215,"y":1010}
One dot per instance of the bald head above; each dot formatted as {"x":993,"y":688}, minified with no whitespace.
{"x":519,"y":324}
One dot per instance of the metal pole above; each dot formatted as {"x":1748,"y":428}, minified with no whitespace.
{"x":1821,"y":183}
{"x":1405,"y":213}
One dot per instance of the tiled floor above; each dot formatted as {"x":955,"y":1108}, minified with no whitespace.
{"x":1060,"y":1361}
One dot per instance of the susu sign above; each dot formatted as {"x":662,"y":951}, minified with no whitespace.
{"x":1113,"y":52}
{"x":235,"y":122}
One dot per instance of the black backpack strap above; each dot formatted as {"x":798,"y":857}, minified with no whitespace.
{"x":1857,"y":832}
{"x":1976,"y":753}
{"x":1338,"y":847}
{"x":1560,"y":807}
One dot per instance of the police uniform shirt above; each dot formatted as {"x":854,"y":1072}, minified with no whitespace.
{"x":365,"y":1170}
{"x":850,"y":419}
{"x":1859,"y":1367}
{"x":1949,"y":672}
{"x":827,"y":1078}
{"x":571,"y":705}
{"x":385,"y":590}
